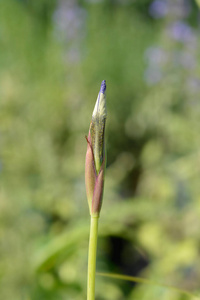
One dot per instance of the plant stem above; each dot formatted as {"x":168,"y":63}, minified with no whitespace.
{"x":92,"y":257}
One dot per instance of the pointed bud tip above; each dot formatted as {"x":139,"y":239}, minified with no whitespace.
{"x":100,"y":106}
{"x":103,"y":87}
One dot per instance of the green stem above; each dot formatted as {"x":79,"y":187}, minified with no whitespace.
{"x":92,"y":258}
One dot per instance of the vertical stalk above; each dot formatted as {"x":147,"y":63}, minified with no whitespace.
{"x":92,"y":257}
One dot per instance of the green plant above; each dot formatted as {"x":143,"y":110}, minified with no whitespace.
{"x":94,"y":179}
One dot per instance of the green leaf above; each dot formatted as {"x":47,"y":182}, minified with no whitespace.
{"x":147,"y":281}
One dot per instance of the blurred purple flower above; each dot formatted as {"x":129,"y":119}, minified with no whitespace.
{"x":69,"y":19}
{"x":181,"y":32}
{"x":175,"y":8}
{"x":69,"y":23}
{"x":158,"y":9}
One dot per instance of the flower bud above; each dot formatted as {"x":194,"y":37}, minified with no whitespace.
{"x":95,"y":155}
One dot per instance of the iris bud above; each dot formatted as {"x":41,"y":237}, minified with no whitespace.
{"x":95,"y":156}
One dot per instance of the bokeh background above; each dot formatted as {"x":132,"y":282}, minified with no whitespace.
{"x":53,"y":57}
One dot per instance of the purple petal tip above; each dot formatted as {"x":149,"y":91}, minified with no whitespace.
{"x":103,"y":87}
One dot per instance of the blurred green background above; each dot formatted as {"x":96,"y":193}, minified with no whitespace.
{"x":53,"y":57}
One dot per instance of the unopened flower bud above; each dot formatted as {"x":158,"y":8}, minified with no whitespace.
{"x":95,"y":156}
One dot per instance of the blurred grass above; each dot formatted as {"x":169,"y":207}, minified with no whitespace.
{"x":51,"y":68}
